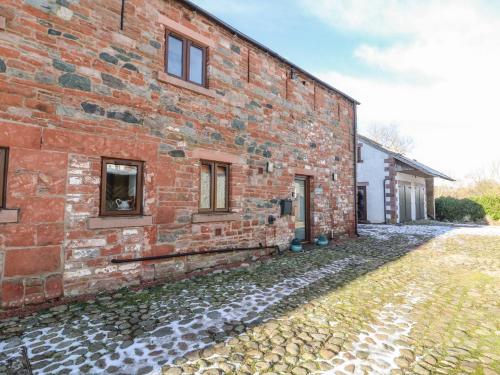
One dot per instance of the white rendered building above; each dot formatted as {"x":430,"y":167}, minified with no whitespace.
{"x":392,"y":188}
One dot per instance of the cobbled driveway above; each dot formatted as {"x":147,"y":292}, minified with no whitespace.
{"x":400,"y":299}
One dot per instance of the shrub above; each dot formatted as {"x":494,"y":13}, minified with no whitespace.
{"x":453,"y":209}
{"x":490,"y":204}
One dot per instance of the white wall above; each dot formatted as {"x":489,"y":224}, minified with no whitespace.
{"x":372,"y":171}
{"x":413,"y":180}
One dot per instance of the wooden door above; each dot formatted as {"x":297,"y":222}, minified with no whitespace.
{"x":404,"y":203}
{"x":419,"y":202}
{"x":362,"y":204}
{"x":302,"y":209}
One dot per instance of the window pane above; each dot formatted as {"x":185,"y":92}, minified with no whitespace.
{"x":206,"y":186}
{"x":174,"y":56}
{"x":196,"y":65}
{"x":121,"y":187}
{"x":221,"y":187}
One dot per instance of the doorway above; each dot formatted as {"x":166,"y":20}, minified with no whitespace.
{"x":302,"y":210}
{"x":419,"y":202}
{"x":362,"y":205}
{"x":404,"y":203}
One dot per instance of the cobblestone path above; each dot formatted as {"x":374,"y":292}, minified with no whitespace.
{"x":415,"y":299}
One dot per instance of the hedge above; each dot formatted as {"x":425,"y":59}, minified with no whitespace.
{"x":490,"y":204}
{"x":453,"y":209}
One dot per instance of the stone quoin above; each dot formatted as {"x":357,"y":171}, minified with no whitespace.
{"x":79,"y":94}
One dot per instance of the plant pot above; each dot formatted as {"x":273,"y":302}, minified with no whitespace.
{"x":296,"y":246}
{"x":322,"y":241}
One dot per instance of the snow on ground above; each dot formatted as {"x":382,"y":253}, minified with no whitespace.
{"x":377,"y":349}
{"x":386,"y":232}
{"x":177,"y":337}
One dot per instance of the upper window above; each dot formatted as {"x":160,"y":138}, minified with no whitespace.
{"x":185,"y":59}
{"x":3,"y":175}
{"x":359,"y":154}
{"x":214,"y":187}
{"x":121,"y":187}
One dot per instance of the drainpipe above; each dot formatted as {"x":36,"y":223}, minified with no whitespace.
{"x":122,"y":14}
{"x":208,"y":252}
{"x":355,"y":145}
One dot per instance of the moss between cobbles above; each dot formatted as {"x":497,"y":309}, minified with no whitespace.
{"x":456,"y":298}
{"x":454,"y":322}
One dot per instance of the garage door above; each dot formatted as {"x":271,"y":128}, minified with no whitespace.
{"x":404,"y":203}
{"x":419,"y":202}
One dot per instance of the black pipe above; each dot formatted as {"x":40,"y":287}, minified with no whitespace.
{"x":168,"y":256}
{"x":26,"y":360}
{"x":355,"y":149}
{"x":122,"y":16}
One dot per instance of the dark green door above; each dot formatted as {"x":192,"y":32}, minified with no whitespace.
{"x":404,"y":203}
{"x":419,"y":202}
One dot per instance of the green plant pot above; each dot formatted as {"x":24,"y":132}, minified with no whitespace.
{"x":322,"y":241}
{"x":296,"y":246}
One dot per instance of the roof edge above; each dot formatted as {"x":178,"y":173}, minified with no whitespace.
{"x":276,"y":55}
{"x":402,"y":158}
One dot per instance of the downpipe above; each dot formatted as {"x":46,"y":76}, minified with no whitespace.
{"x":208,"y":252}
{"x":355,"y":173}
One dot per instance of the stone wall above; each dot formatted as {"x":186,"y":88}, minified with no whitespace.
{"x":75,"y":88}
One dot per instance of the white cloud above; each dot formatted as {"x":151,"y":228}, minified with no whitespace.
{"x":440,"y":74}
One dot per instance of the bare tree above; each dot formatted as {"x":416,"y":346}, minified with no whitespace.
{"x":390,"y":136}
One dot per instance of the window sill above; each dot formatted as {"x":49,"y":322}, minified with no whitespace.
{"x":9,"y":216}
{"x":119,"y":222}
{"x":215,"y":217}
{"x":165,"y":78}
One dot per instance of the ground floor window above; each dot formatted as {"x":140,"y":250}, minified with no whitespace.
{"x":214,"y":187}
{"x":121,"y":187}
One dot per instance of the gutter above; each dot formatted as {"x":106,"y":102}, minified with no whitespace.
{"x":269,"y":51}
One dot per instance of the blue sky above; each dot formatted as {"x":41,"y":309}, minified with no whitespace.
{"x":294,"y":33}
{"x":431,"y":67}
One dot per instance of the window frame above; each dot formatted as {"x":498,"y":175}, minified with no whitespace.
{"x":4,"y":161}
{"x":213,"y":187}
{"x":358,"y":154}
{"x":138,"y":211}
{"x":186,"y":51}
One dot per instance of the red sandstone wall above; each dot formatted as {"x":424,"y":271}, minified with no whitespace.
{"x":74,"y":88}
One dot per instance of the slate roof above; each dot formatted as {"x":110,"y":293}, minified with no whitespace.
{"x":406,"y":160}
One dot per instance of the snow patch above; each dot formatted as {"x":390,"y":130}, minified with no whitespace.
{"x":171,"y":339}
{"x":379,"y":347}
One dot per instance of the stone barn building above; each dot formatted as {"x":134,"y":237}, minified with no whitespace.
{"x":392,"y":188}
{"x":151,"y":132}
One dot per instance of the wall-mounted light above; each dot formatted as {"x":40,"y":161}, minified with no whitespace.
{"x":269,"y":167}
{"x":335,"y":176}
